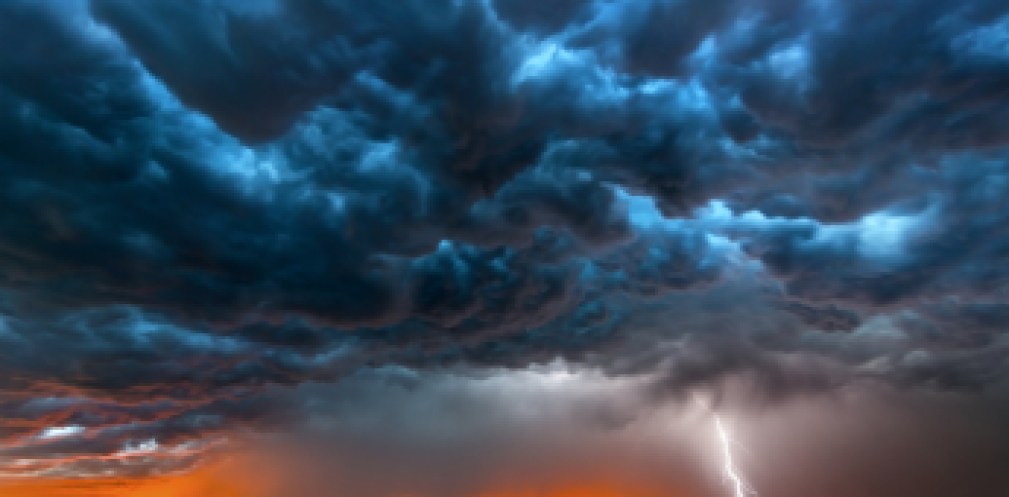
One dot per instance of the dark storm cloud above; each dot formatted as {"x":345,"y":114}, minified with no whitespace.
{"x":116,"y":352}
{"x":879,"y":76}
{"x":210,"y":203}
{"x":945,"y":238}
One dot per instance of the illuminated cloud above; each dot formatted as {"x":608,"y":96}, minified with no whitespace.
{"x":508,"y":232}
{"x":61,"y":431}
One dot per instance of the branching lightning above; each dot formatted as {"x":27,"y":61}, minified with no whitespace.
{"x":739,"y":486}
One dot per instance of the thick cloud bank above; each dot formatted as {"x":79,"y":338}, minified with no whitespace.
{"x":234,"y":219}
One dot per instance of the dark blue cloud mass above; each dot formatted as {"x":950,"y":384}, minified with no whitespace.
{"x":211,"y":210}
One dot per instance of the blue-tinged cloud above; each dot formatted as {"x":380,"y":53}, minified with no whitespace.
{"x":212,"y":208}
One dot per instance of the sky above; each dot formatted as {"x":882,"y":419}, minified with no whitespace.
{"x":504,"y":248}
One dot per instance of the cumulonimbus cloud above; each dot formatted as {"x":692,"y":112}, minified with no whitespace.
{"x":208,"y":205}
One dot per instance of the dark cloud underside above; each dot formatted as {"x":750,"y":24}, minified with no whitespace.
{"x":213,"y":210}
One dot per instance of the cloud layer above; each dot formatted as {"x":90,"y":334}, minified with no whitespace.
{"x":221,"y":215}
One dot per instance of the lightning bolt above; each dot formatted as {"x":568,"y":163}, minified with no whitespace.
{"x":739,"y":486}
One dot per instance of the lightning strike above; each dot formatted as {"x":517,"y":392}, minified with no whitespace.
{"x":739,"y":486}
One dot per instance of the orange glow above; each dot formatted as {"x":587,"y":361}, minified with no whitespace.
{"x":589,"y":489}
{"x":216,"y":480}
{"x":212,"y":482}
{"x":249,"y":476}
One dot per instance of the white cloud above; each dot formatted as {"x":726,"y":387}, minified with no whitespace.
{"x":54,"y":432}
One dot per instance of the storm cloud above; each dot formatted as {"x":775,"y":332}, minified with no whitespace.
{"x":234,"y":219}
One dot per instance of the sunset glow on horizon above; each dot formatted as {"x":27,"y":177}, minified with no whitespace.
{"x":198,"y":483}
{"x":227,"y":480}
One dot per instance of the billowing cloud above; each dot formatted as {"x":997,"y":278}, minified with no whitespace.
{"x":359,"y":232}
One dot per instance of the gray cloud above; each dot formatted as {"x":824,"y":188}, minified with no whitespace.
{"x":213,"y":208}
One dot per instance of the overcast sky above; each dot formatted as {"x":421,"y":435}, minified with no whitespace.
{"x":489,"y":248}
